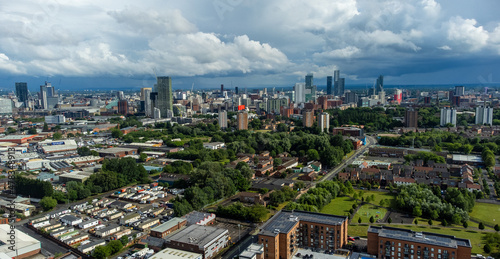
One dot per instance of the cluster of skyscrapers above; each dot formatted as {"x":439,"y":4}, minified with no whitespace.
{"x":337,"y":82}
{"x":158,"y":103}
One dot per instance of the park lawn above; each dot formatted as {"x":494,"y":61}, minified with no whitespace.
{"x":366,"y":211}
{"x":489,"y":213}
{"x":474,"y":236}
{"x":378,"y":196}
{"x":339,"y":206}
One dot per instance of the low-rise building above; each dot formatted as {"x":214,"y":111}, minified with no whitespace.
{"x":132,"y":217}
{"x":106,"y":231}
{"x":168,"y":227}
{"x":70,"y":220}
{"x":214,"y":145}
{"x":117,"y":152}
{"x":199,"y":239}
{"x":25,"y":245}
{"x":389,"y":242}
{"x":171,"y":253}
{"x":89,"y":247}
{"x":88,"y":223}
{"x":199,"y":218}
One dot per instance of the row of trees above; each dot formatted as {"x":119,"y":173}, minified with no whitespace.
{"x":211,"y":182}
{"x":316,"y":198}
{"x":32,"y":187}
{"x":254,"y":213}
{"x":422,"y":201}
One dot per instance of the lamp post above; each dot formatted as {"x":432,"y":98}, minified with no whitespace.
{"x":239,"y":246}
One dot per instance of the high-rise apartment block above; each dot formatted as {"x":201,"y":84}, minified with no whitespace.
{"x":459,"y":90}
{"x":223,"y":119}
{"x":308,"y":118}
{"x":22,"y":92}
{"x":324,"y":122}
{"x":242,"y":120}
{"x":329,"y":85}
{"x":411,"y":118}
{"x":484,"y":115}
{"x":165,"y":99}
{"x":448,"y":115}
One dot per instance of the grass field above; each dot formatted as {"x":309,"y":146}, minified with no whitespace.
{"x":473,"y":236}
{"x":489,"y":213}
{"x":366,"y":211}
{"x":378,"y":196}
{"x":339,"y":206}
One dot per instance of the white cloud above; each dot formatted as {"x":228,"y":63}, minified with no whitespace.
{"x":347,"y":52}
{"x":444,"y":47}
{"x":466,"y":32}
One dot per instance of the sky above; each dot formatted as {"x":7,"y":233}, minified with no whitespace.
{"x":101,"y":44}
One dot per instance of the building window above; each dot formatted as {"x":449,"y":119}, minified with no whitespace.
{"x":439,"y":251}
{"x":399,"y":244}
{"x":432,"y":249}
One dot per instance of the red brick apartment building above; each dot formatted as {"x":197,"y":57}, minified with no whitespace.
{"x":397,"y":243}
{"x":286,"y":231}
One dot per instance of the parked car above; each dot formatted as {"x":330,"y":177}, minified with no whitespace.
{"x":350,"y":239}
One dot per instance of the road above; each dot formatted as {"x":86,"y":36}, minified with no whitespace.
{"x":333,"y":173}
{"x":239,"y":247}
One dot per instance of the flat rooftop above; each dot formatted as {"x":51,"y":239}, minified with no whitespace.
{"x":197,"y":235}
{"x":114,"y":150}
{"x":284,"y":221}
{"x":168,"y":225}
{"x":23,"y":241}
{"x":420,"y":237}
{"x":172,"y":253}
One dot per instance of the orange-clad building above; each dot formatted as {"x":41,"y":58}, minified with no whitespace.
{"x":18,"y":139}
{"x":286,"y":231}
{"x":398,"y":243}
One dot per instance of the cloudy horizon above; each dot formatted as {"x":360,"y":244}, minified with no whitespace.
{"x":99,"y":44}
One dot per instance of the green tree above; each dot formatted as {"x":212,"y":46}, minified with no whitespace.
{"x":444,"y":223}
{"x":417,"y":211}
{"x":497,"y":228}
{"x":32,"y":130}
{"x":372,"y":219}
{"x":83,"y":151}
{"x":115,"y":246}
{"x":487,"y":248}
{"x":312,"y":154}
{"x":48,"y":203}
{"x":57,"y":136}
{"x":116,"y":133}
{"x":465,"y":224}
{"x":389,"y":220}
{"x":101,"y":252}
{"x":481,"y":225}
{"x":415,"y":221}
{"x":124,"y":240}
{"x":359,"y":220}
{"x":45,"y":127}
{"x":429,"y":222}
{"x":143,"y":157}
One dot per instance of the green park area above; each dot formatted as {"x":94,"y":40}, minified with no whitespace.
{"x":339,"y":206}
{"x":379,"y":195}
{"x":367,"y":211}
{"x":486,"y":212}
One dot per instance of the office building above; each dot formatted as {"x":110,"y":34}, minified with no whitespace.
{"x":398,"y":96}
{"x":338,"y":83}
{"x":120,"y":95}
{"x":55,"y":119}
{"x":164,"y":100}
{"x":459,"y":90}
{"x":329,"y":85}
{"x":448,"y":115}
{"x":309,"y":80}
{"x":5,"y":106}
{"x":300,"y":93}
{"x":205,"y":240}
{"x":379,"y":85}
{"x":411,"y":118}
{"x":324,"y":122}
{"x":484,"y":115}
{"x":123,"y":107}
{"x":146,"y":97}
{"x":156,"y":114}
{"x":22,"y":92}
{"x":236,"y":90}
{"x":308,"y":118}
{"x":351,"y":97}
{"x":242,"y":120}
{"x":286,"y":231}
{"x":389,"y":242}
{"x":223,"y":119}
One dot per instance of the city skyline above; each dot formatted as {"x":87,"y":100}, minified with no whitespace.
{"x":122,"y":44}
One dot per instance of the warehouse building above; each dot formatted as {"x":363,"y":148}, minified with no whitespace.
{"x":26,"y":246}
{"x":168,"y":227}
{"x":204,"y":240}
